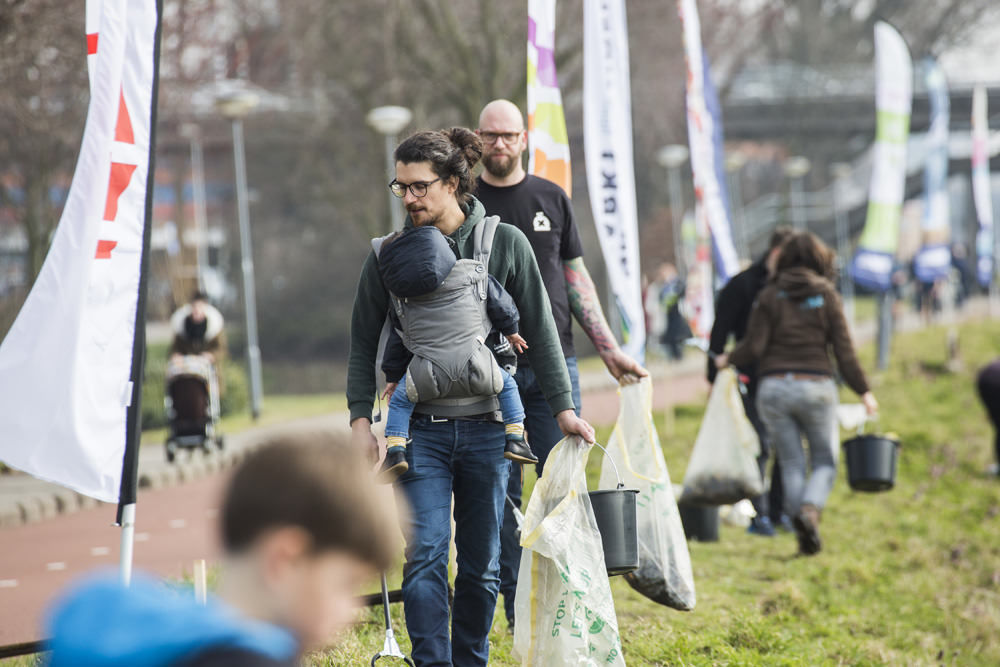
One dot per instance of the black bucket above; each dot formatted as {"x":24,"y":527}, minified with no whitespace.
{"x":871,"y":462}
{"x":701,"y":522}
{"x":614,"y":510}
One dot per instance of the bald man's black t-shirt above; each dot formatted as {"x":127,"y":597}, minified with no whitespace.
{"x":541,"y":210}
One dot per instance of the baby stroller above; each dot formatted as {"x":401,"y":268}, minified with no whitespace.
{"x":191,"y":400}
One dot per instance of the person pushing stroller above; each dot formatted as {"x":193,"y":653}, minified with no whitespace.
{"x":414,"y":265}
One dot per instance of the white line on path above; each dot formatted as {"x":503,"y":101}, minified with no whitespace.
{"x":177,"y":523}
{"x":99,"y":551}
{"x":57,"y":566}
{"x":8,"y":583}
{"x":141,"y":537}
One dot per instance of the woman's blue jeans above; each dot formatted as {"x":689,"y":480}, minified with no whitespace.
{"x":464,"y":458}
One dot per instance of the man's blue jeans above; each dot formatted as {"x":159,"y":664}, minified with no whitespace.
{"x":464,"y":458}
{"x":543,"y":434}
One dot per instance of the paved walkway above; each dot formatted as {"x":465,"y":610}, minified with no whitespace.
{"x":24,"y":499}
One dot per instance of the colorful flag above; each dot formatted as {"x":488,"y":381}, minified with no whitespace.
{"x":933,"y":261}
{"x":698,"y":306}
{"x":67,"y":362}
{"x":607,"y":137}
{"x":981,"y":196}
{"x":705,"y":139}
{"x":873,"y":262}
{"x":548,"y":156}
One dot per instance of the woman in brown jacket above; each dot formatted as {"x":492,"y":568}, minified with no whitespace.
{"x":797,"y":318}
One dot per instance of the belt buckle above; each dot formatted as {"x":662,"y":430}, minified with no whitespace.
{"x":438,"y":420}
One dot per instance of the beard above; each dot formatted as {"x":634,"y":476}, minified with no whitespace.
{"x":425,"y":217}
{"x":500,"y":165}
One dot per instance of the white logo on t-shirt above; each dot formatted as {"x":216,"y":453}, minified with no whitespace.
{"x":541,"y":223}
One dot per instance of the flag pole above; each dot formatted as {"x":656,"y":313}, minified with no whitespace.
{"x":125,"y":517}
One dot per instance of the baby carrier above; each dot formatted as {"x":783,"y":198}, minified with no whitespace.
{"x":453,"y":372}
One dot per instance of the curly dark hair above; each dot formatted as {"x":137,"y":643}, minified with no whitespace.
{"x":452,"y":153}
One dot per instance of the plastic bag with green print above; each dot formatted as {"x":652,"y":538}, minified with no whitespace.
{"x":664,"y":574}
{"x":563,"y":605}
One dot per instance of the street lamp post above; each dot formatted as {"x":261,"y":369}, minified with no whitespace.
{"x":388,"y":121}
{"x":192,"y":133}
{"x":841,"y":175}
{"x":671,"y":158}
{"x":235,"y":106}
{"x":795,"y":169}
{"x":734,"y":163}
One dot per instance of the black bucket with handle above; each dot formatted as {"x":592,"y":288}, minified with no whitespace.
{"x":871,"y":461}
{"x":615,"y":512}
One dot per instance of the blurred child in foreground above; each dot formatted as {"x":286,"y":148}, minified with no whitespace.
{"x":302,"y":528}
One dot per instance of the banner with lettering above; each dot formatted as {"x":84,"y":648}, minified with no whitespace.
{"x":705,"y":140}
{"x":66,"y":363}
{"x":933,"y":261}
{"x":981,"y":195}
{"x":548,"y":141}
{"x":607,"y":137}
{"x":873,"y":262}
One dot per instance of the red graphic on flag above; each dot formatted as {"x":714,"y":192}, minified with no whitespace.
{"x":91,"y":43}
{"x":104,"y":249}
{"x":123,"y":128}
{"x":121,"y":174}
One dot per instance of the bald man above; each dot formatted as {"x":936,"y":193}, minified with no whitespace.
{"x":542,"y":210}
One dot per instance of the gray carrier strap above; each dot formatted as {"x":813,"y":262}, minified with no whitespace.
{"x":482,"y":237}
{"x":458,"y":407}
{"x":377,"y":244}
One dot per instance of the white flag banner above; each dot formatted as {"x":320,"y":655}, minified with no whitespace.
{"x":548,"y":156}
{"x":879,"y":241}
{"x":981,"y":197}
{"x":607,"y":141}
{"x":701,"y":123}
{"x":66,"y":362}
{"x":933,"y":261}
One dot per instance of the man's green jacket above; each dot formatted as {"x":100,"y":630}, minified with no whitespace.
{"x":513,"y":264}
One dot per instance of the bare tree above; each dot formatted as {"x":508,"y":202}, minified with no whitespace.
{"x":41,"y":113}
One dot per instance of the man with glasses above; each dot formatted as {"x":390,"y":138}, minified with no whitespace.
{"x":454,"y":450}
{"x":541,"y":210}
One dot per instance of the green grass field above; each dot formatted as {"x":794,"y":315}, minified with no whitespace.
{"x":907,"y":577}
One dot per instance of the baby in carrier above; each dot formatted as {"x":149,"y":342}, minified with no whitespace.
{"x":442,"y":311}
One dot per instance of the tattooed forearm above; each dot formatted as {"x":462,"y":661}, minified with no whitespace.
{"x":586,"y":306}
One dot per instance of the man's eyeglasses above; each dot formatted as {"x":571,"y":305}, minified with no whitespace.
{"x":507,"y":137}
{"x":418,"y":189}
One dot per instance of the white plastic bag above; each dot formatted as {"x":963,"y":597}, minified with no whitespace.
{"x":723,"y":467}
{"x":664,"y":573}
{"x":565,"y":614}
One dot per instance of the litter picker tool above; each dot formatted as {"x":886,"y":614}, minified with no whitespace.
{"x":390,"y":649}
